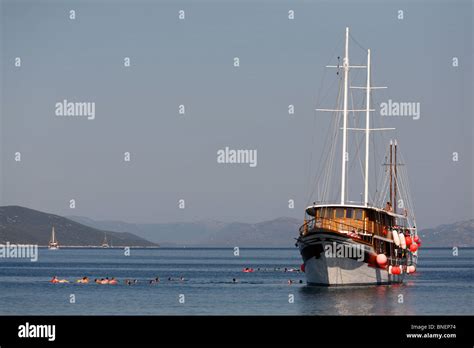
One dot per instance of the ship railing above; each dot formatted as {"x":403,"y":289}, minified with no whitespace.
{"x":331,"y":224}
{"x":397,"y":261}
{"x":338,"y":202}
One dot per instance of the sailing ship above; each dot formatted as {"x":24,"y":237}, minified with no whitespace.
{"x":104,"y":242}
{"x":53,"y":243}
{"x":359,"y":243}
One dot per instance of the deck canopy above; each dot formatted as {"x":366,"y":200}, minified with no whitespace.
{"x":355,"y":210}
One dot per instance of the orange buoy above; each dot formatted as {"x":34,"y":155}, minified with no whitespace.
{"x":413,"y":247}
{"x":382,"y":260}
{"x":408,"y":241}
{"x":416,"y":239}
{"x":396,"y":270}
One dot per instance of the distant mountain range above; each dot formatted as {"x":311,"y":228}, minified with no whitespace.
{"x":280,"y":232}
{"x":21,"y":225}
{"x":460,"y":234}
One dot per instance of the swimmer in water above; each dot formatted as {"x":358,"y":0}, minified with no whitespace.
{"x":155,"y":281}
{"x":84,"y":280}
{"x":113,"y":281}
{"x":290,"y":282}
{"x":55,"y":280}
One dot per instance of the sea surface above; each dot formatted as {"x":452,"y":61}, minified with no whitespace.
{"x":443,"y":284}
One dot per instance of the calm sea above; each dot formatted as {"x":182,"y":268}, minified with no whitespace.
{"x":443,"y":285}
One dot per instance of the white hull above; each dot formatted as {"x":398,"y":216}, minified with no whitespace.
{"x":334,"y":271}
{"x":343,"y":271}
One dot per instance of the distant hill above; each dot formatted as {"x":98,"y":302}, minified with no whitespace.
{"x":460,"y":234}
{"x":23,"y":225}
{"x":167,"y":234}
{"x":279,"y":232}
{"x":274,"y":233}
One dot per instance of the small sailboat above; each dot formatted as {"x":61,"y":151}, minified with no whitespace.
{"x":53,"y":244}
{"x":104,"y":243}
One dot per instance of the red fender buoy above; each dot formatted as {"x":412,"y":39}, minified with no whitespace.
{"x":413,"y":247}
{"x":382,"y":260}
{"x":396,"y":270}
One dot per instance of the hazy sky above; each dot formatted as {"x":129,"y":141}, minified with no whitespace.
{"x":190,"y":62}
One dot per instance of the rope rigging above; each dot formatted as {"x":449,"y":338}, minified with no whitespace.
{"x":324,"y":180}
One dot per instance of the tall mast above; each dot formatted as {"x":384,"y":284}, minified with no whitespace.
{"x":53,"y":237}
{"x":391,"y":172}
{"x":345,"y":111}
{"x":395,"y":181}
{"x":344,"y":137}
{"x":367,"y":133}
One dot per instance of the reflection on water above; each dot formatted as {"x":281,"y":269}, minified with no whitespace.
{"x":356,"y":300}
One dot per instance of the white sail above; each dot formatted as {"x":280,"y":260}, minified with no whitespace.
{"x":53,"y":244}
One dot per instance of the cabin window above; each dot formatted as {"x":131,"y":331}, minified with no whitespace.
{"x":349,"y":213}
{"x":339,"y":212}
{"x":379,"y":218}
{"x":358,"y":214}
{"x":328,"y":213}
{"x":371,"y":215}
